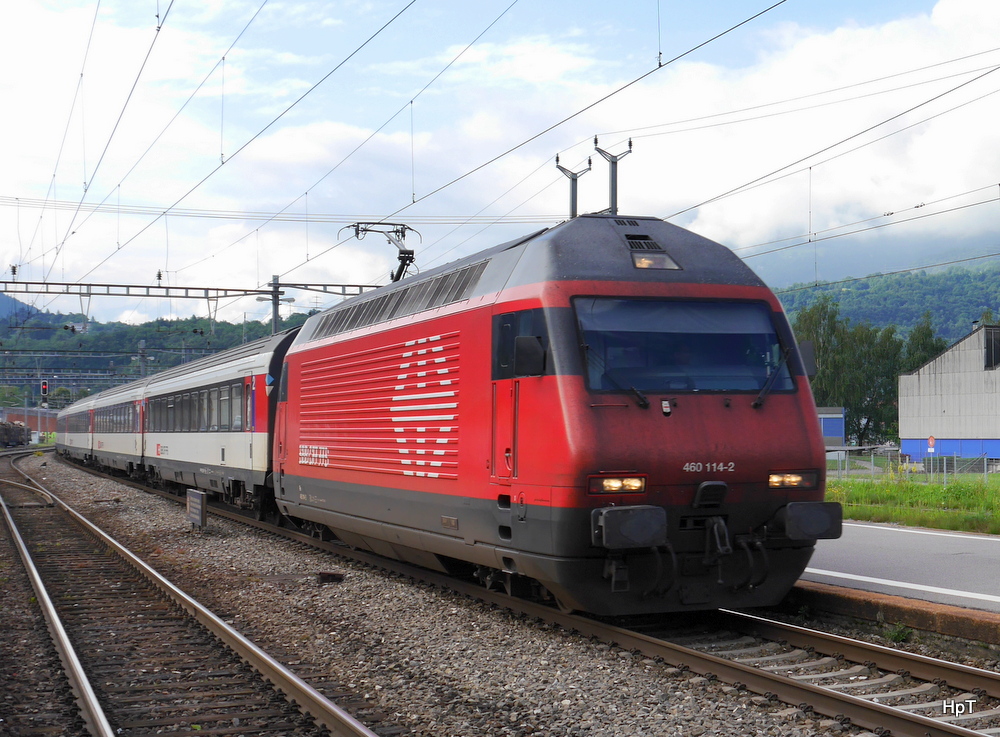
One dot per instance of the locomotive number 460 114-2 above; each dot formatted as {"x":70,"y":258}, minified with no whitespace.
{"x":723,"y":467}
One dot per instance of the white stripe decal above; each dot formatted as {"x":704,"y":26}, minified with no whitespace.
{"x":426,"y":395}
{"x":415,"y":407}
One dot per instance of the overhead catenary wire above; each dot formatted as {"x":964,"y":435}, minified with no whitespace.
{"x":566,"y":119}
{"x":255,"y":136}
{"x":62,"y":144}
{"x":114,"y":129}
{"x":177,"y":114}
{"x":313,"y":217}
{"x":582,"y":110}
{"x":885,"y":214}
{"x":768,"y":177}
{"x":355,"y":218}
{"x":639,"y":132}
{"x":701,"y":45}
{"x":540,"y":134}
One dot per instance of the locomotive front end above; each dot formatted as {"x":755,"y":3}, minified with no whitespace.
{"x":706,"y":471}
{"x":689,"y":472}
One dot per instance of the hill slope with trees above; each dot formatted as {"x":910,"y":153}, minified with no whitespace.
{"x":954,"y":298}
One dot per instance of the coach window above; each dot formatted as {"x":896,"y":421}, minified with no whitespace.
{"x":213,"y":410}
{"x":224,"y":408}
{"x":203,"y":411}
{"x":171,"y":414}
{"x":237,"y":406}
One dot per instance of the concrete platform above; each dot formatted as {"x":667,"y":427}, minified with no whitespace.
{"x":968,"y":624}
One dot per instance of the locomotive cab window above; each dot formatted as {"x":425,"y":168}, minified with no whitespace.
{"x":520,"y":344}
{"x":677,"y":346}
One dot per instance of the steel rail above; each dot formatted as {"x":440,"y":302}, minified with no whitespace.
{"x":834,"y":704}
{"x":841,"y":706}
{"x":90,"y":706}
{"x":311,"y":701}
{"x":925,"y":668}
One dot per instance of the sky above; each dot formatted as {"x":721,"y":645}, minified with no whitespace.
{"x":218,"y":143}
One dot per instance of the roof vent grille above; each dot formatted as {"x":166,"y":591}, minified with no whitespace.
{"x":642,"y":243}
{"x":628,"y":223}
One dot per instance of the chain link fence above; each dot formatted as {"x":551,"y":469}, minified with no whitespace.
{"x":885,"y":463}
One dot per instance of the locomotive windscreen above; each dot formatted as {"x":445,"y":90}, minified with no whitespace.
{"x":674,"y":345}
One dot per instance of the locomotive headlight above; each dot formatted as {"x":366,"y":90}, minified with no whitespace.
{"x":794,"y":480}
{"x":617,"y":485}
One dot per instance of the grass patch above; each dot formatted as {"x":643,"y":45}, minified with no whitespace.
{"x":965,"y":504}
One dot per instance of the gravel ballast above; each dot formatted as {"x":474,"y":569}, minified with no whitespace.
{"x":431,"y":660}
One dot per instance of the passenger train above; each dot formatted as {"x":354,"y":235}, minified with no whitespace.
{"x":611,"y":414}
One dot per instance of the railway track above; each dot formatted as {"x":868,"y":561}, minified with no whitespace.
{"x":884,"y":690}
{"x":142,"y":657}
{"x":35,"y":695}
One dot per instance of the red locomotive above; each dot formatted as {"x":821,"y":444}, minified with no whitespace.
{"x":611,"y":414}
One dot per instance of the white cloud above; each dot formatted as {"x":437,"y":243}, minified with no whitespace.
{"x":507,"y":88}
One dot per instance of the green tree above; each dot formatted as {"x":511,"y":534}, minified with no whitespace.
{"x":922,"y":345}
{"x":857,"y":368}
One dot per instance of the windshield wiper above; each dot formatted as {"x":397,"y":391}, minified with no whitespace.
{"x":640,"y":398}
{"x":772,"y":377}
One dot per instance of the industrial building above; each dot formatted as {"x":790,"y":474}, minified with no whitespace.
{"x":950,"y":406}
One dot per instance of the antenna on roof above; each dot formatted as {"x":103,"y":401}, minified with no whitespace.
{"x":395,"y":233}
{"x":573,"y":177}
{"x":613,"y":183}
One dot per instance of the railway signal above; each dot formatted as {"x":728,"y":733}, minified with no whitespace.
{"x":45,"y":387}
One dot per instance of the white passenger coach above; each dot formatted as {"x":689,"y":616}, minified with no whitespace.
{"x":203,"y":424}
